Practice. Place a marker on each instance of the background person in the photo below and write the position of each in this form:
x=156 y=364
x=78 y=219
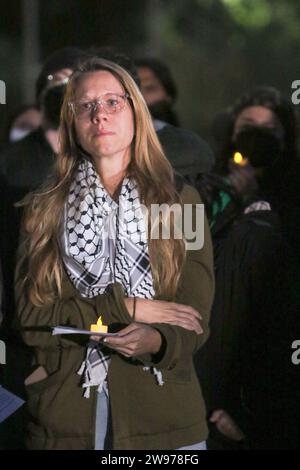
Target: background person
x=158 y=88
x=24 y=120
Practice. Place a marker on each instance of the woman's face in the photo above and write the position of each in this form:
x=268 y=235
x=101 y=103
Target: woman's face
x=256 y=138
x=151 y=88
x=101 y=133
x=257 y=116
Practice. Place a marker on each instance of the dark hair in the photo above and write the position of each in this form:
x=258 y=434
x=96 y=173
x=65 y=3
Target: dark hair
x=162 y=72
x=64 y=58
x=272 y=99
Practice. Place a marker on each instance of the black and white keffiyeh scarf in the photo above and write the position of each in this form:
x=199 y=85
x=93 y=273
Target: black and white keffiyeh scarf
x=103 y=242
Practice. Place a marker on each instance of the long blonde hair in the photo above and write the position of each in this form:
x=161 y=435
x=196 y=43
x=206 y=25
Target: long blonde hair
x=41 y=261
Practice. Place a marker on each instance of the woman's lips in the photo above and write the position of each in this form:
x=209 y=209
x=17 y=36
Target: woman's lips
x=103 y=133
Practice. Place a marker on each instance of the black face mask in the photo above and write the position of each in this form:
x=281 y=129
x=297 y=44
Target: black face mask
x=260 y=145
x=52 y=103
x=162 y=110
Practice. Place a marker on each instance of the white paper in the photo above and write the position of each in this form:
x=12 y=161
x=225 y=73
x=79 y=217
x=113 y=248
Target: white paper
x=66 y=330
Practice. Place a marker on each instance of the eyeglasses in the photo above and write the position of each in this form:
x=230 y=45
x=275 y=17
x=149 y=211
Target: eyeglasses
x=111 y=103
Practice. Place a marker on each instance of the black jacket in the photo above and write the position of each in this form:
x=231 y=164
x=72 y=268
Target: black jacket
x=24 y=165
x=245 y=367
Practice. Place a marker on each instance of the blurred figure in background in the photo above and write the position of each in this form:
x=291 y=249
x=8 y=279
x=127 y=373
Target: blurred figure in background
x=158 y=88
x=245 y=369
x=189 y=154
x=24 y=165
x=23 y=121
x=259 y=152
x=249 y=381
x=259 y=156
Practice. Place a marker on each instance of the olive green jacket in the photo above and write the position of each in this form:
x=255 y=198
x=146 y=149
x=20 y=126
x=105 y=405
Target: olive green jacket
x=144 y=414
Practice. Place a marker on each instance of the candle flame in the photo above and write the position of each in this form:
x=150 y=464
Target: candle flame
x=239 y=159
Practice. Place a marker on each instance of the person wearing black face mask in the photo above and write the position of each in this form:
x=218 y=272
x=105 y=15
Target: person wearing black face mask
x=158 y=89
x=244 y=368
x=256 y=310
x=261 y=146
x=259 y=151
x=257 y=160
x=189 y=154
x=24 y=165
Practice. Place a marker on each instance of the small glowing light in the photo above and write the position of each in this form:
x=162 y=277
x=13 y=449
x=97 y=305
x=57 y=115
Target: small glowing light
x=99 y=327
x=239 y=159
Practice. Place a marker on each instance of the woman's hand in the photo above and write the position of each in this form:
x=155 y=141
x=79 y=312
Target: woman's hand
x=243 y=178
x=226 y=425
x=134 y=340
x=160 y=311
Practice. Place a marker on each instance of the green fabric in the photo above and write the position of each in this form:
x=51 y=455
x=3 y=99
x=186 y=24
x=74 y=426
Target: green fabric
x=144 y=415
x=219 y=206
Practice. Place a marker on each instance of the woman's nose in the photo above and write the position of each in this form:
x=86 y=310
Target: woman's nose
x=99 y=113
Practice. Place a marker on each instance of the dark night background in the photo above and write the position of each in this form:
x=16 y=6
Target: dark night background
x=216 y=49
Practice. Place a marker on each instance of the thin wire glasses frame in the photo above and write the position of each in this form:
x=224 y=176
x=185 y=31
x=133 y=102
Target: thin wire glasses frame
x=111 y=103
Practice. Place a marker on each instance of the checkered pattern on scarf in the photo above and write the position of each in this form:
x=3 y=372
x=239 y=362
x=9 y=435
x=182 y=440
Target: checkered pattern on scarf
x=258 y=206
x=104 y=242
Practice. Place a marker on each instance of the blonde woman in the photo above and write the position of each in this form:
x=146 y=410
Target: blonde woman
x=86 y=252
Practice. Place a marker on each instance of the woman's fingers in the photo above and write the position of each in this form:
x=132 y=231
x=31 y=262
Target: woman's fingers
x=228 y=429
x=185 y=320
x=134 y=326
x=216 y=415
x=160 y=311
x=97 y=338
x=136 y=339
x=187 y=317
x=187 y=325
x=124 y=337
x=226 y=425
x=122 y=344
x=185 y=309
x=124 y=351
x=187 y=314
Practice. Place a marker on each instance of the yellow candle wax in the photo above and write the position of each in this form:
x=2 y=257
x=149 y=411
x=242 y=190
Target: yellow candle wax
x=99 y=327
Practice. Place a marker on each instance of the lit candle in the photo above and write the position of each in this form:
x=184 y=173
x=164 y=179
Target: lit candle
x=239 y=159
x=99 y=328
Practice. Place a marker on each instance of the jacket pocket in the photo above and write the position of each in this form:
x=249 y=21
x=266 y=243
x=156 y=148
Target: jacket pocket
x=41 y=385
x=35 y=391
